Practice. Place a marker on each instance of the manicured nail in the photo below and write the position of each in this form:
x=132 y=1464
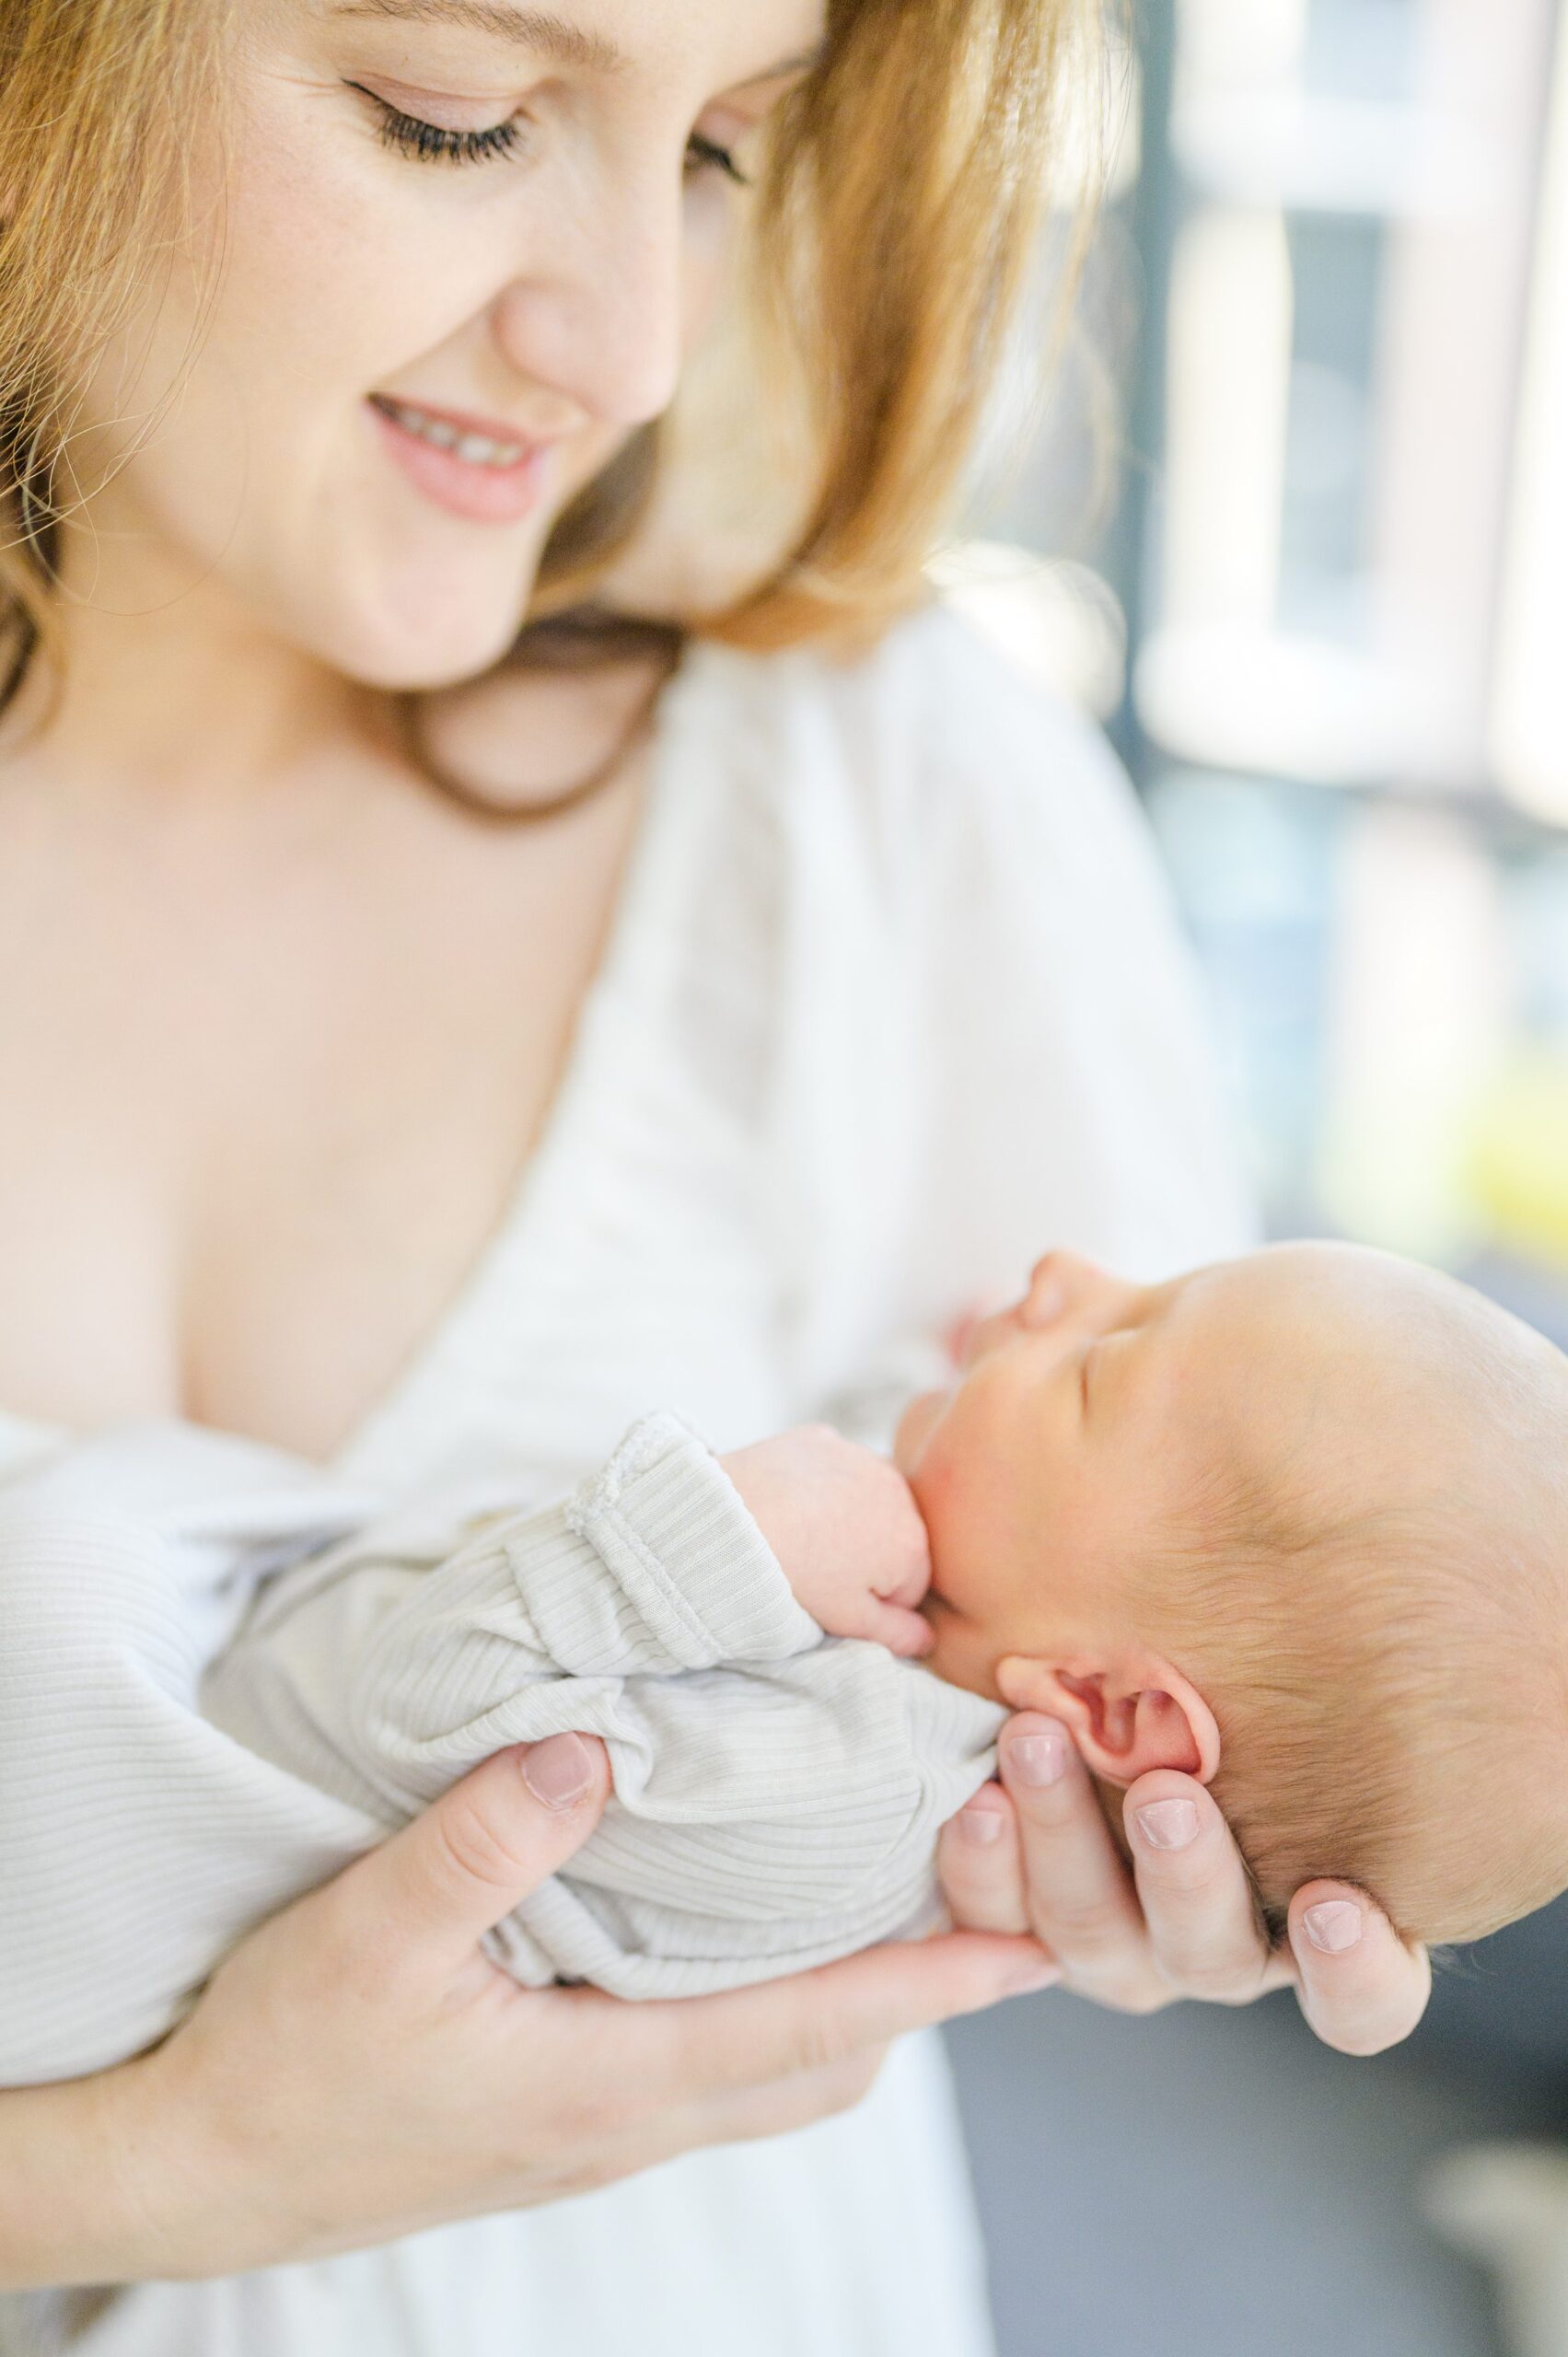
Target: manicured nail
x=1038 y=1759
x=1334 y=1925
x=1167 y=1825
x=981 y=1826
x=558 y=1770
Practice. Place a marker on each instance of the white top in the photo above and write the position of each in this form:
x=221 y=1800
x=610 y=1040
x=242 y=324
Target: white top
x=893 y=999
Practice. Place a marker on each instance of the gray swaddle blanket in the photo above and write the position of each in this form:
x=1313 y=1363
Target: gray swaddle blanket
x=258 y=1674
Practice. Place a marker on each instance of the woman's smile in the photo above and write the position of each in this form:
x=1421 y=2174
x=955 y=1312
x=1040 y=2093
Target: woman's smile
x=471 y=467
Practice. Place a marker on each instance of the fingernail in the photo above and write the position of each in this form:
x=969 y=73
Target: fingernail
x=1038 y=1759
x=1167 y=1825
x=981 y=1826
x=1030 y=1975
x=1334 y=1925
x=558 y=1770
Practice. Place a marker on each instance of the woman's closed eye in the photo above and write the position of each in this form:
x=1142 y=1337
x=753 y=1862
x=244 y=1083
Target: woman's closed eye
x=425 y=142
x=706 y=155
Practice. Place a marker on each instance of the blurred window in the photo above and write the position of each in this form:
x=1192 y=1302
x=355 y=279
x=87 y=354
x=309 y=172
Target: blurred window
x=1326 y=610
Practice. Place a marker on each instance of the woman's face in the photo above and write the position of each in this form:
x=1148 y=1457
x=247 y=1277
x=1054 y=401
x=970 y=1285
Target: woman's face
x=464 y=245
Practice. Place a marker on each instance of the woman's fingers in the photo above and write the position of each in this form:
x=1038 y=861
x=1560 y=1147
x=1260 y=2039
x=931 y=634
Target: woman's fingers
x=734 y=2118
x=814 y=2021
x=1360 y=1988
x=1197 y=1902
x=1080 y=1899
x=430 y=1893
x=980 y=1865
x=794 y=2102
x=1184 y=1923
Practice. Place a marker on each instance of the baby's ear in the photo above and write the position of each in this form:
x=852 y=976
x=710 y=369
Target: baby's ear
x=1128 y=1712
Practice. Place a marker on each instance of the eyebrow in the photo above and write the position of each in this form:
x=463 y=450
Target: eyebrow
x=535 y=28
x=525 y=28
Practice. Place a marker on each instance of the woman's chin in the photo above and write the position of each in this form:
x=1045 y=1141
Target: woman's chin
x=428 y=627
x=398 y=661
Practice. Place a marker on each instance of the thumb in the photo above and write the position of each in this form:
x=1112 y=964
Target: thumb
x=438 y=1885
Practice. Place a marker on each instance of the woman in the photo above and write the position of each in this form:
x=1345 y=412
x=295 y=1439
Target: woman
x=333 y=332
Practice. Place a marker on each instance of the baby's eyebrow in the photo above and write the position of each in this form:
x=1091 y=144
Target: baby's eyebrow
x=1100 y=1348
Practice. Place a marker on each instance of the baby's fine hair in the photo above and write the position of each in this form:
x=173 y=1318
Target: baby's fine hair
x=1389 y=1662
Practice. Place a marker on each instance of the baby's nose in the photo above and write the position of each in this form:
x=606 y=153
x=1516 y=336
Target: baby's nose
x=1062 y=1281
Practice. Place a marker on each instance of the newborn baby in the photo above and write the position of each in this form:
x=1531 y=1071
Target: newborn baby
x=1297 y=1525
x=1293 y=1523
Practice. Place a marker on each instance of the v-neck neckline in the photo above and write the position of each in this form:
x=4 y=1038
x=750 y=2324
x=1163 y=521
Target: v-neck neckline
x=629 y=958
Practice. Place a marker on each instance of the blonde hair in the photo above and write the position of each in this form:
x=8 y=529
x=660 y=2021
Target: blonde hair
x=895 y=223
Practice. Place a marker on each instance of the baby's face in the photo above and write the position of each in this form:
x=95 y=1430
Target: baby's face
x=1085 y=1419
x=1052 y=1456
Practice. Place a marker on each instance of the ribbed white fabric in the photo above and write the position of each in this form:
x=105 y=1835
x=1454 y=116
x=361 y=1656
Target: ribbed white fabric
x=777 y=1795
x=893 y=999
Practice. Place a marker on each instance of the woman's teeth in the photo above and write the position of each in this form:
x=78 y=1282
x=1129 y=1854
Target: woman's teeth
x=475 y=449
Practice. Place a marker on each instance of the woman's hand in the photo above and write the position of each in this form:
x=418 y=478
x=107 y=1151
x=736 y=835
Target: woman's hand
x=357 y=2068
x=1034 y=1853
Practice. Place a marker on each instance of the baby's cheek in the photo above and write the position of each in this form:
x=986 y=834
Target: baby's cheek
x=961 y=1653
x=918 y=1422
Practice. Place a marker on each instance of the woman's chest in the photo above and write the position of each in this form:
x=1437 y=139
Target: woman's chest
x=258 y=1129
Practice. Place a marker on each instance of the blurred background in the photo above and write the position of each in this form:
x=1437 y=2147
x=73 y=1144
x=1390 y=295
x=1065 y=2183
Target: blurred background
x=1319 y=596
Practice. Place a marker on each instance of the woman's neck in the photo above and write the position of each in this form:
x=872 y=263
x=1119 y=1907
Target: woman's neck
x=184 y=693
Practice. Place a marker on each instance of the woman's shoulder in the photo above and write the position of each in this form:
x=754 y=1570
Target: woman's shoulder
x=937 y=712
x=935 y=747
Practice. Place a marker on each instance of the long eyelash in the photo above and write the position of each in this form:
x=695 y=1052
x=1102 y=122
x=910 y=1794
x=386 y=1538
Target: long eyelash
x=708 y=152
x=410 y=135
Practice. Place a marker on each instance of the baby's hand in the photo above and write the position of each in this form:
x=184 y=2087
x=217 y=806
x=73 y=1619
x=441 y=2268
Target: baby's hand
x=844 y=1526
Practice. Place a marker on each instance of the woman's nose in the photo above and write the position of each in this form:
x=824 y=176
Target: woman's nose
x=601 y=318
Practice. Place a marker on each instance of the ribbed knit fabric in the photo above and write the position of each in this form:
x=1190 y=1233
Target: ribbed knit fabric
x=893 y=999
x=777 y=1793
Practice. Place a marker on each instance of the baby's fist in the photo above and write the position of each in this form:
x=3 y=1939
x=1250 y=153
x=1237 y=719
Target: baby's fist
x=845 y=1528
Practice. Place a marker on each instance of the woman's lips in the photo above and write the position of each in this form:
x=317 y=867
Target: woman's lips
x=471 y=467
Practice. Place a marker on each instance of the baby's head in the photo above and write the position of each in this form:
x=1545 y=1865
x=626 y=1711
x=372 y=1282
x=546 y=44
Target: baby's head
x=1296 y=1524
